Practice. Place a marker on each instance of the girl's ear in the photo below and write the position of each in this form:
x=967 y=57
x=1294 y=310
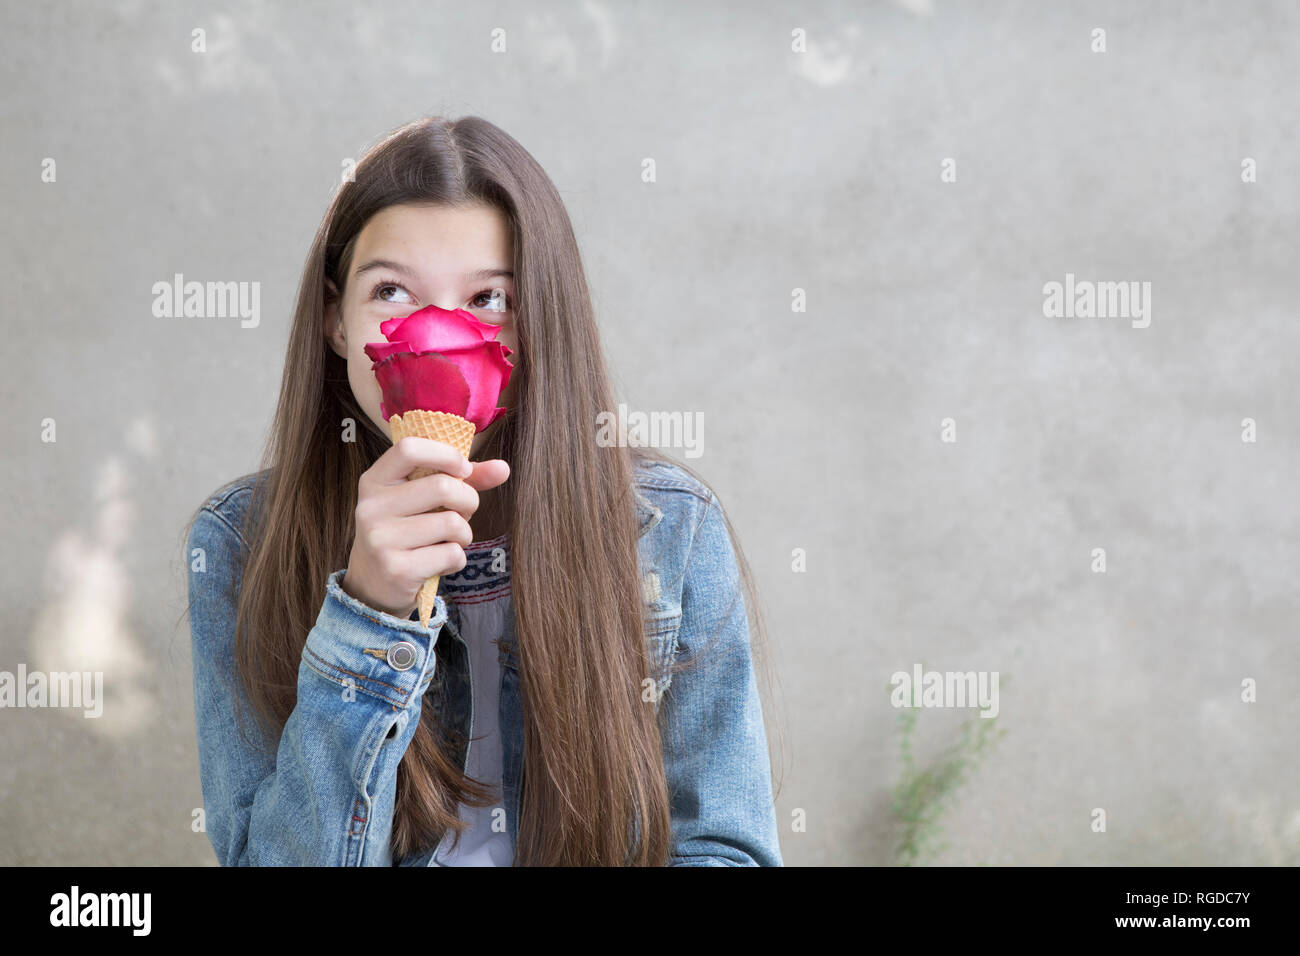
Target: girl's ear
x=333 y=328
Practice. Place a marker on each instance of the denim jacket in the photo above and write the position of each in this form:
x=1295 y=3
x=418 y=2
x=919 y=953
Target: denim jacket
x=326 y=798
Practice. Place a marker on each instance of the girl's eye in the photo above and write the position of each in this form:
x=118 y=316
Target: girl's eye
x=496 y=301
x=378 y=292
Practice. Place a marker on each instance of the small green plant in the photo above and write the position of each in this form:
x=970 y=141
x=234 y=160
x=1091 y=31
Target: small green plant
x=924 y=793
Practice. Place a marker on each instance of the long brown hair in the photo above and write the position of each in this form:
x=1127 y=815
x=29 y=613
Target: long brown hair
x=594 y=790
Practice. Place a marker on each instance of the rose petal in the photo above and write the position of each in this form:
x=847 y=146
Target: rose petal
x=378 y=351
x=429 y=381
x=486 y=370
x=432 y=329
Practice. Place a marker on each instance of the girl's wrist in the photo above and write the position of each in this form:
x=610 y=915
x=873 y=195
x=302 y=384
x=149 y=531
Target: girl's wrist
x=349 y=584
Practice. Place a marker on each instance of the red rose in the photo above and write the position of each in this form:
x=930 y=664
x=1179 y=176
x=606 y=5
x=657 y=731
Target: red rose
x=441 y=361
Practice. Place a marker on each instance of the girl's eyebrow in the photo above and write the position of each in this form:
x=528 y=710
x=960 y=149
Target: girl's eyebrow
x=410 y=273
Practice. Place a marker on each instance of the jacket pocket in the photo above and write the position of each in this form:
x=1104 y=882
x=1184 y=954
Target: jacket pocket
x=661 y=643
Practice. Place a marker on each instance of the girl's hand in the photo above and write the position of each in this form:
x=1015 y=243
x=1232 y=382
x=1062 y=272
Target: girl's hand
x=398 y=542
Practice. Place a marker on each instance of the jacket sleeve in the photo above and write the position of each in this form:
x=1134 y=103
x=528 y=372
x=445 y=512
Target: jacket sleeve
x=715 y=746
x=322 y=795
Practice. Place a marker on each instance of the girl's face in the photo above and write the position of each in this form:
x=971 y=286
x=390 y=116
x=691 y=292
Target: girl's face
x=407 y=257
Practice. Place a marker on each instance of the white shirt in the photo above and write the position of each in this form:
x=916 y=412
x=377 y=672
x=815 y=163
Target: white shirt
x=481 y=591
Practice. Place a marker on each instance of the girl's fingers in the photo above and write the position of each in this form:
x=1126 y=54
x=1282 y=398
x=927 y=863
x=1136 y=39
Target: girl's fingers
x=421 y=531
x=429 y=493
x=488 y=474
x=411 y=453
x=440 y=559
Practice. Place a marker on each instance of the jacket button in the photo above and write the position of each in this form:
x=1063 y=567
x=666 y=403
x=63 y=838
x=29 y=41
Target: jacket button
x=401 y=656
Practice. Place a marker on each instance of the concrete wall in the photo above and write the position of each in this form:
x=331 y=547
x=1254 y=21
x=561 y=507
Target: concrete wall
x=776 y=170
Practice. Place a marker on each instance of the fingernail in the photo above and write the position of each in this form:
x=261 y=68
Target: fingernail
x=468 y=469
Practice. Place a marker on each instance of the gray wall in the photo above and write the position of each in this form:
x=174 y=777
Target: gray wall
x=776 y=170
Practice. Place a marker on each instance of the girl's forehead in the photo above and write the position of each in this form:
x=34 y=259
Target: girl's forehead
x=451 y=230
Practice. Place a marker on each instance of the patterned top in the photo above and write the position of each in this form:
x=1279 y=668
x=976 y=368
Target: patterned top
x=486 y=575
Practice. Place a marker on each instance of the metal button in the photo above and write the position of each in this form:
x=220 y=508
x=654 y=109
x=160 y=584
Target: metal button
x=402 y=655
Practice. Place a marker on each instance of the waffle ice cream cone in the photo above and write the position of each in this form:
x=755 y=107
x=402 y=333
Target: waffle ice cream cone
x=438 y=426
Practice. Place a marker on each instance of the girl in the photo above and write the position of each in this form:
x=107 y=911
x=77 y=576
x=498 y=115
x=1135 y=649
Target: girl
x=584 y=693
